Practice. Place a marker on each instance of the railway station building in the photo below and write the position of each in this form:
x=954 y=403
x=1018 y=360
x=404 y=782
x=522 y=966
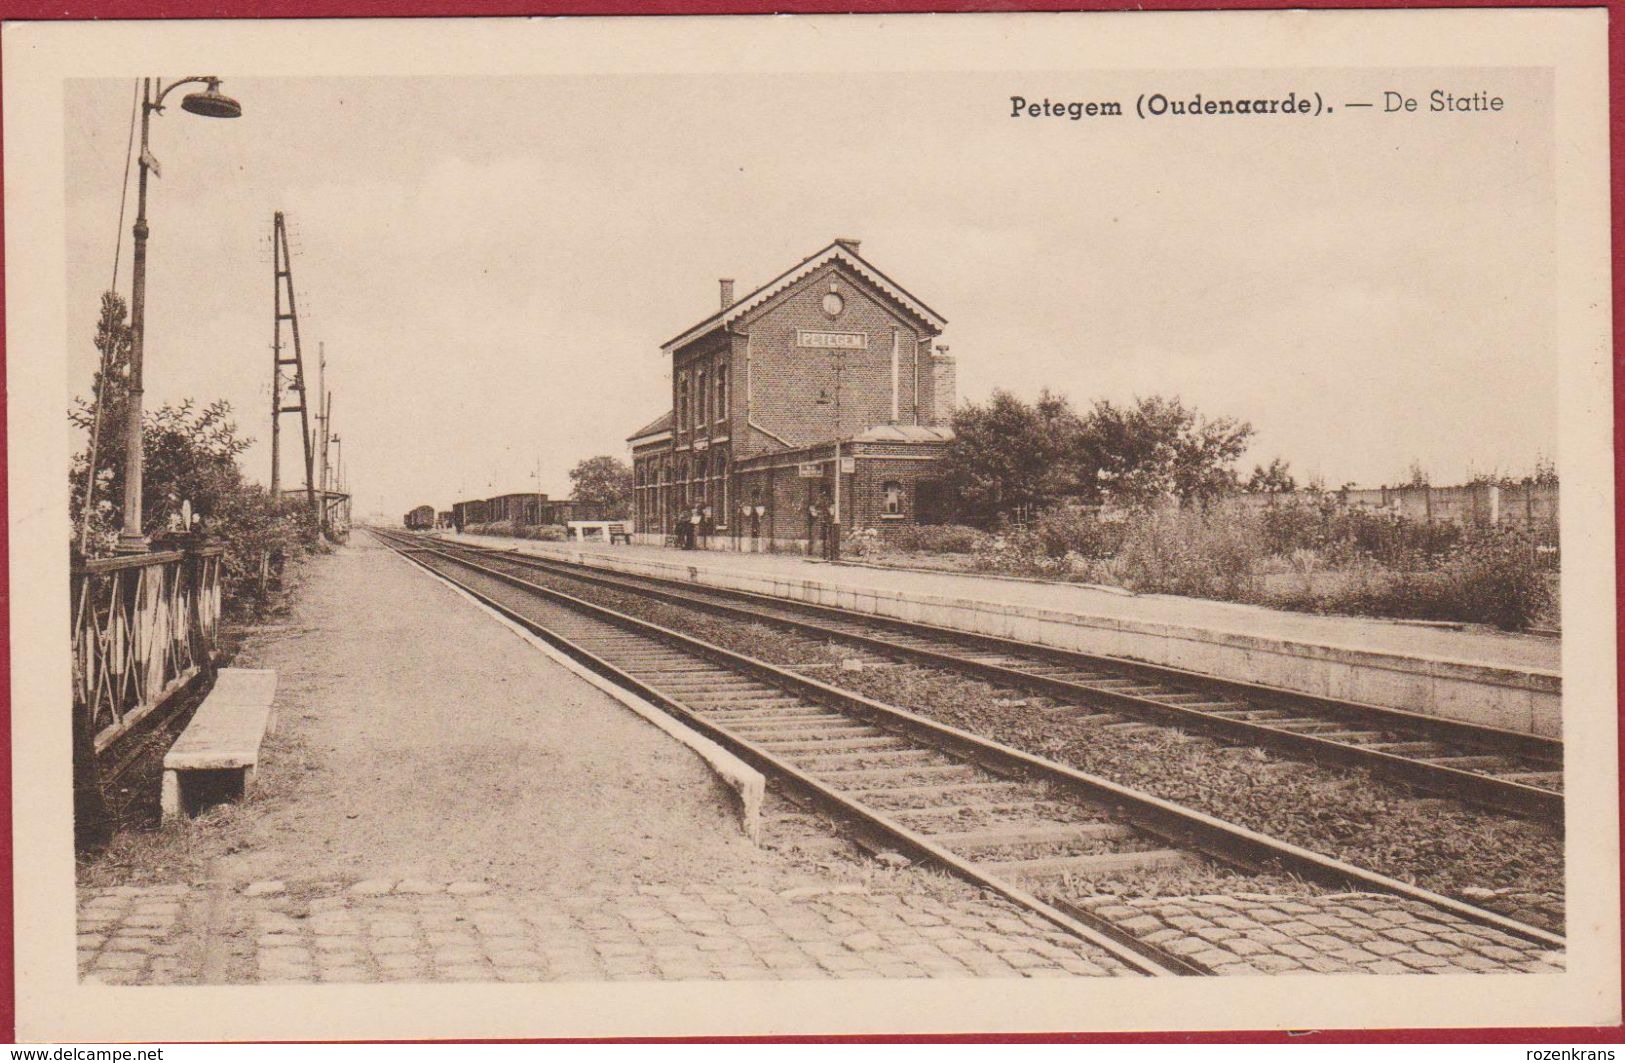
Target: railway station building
x=831 y=355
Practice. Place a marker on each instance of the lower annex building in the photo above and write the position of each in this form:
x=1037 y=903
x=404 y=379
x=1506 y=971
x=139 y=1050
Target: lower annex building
x=830 y=355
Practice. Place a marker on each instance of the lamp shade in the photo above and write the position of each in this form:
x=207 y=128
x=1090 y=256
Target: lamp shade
x=210 y=103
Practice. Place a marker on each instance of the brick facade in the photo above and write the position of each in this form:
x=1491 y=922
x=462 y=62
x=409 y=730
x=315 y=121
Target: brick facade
x=829 y=350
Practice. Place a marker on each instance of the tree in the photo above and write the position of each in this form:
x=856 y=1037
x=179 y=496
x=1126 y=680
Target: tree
x=1418 y=475
x=1277 y=479
x=1009 y=454
x=190 y=456
x=605 y=481
x=1158 y=449
x=110 y=394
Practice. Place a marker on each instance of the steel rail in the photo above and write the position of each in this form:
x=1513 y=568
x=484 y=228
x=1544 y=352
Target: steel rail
x=1140 y=957
x=1486 y=790
x=1222 y=841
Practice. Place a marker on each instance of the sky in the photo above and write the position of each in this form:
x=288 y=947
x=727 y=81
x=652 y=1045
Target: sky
x=493 y=263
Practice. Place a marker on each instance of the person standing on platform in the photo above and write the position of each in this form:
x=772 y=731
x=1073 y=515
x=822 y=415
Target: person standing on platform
x=694 y=520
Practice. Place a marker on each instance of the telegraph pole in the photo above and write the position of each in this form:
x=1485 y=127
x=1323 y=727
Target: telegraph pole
x=318 y=438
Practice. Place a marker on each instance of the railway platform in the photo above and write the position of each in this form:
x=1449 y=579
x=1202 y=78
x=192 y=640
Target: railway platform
x=1478 y=676
x=442 y=802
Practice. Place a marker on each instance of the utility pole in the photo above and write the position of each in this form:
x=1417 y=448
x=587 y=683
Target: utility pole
x=329 y=483
x=319 y=438
x=282 y=269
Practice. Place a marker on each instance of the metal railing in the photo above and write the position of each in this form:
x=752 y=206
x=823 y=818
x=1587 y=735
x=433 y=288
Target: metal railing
x=143 y=626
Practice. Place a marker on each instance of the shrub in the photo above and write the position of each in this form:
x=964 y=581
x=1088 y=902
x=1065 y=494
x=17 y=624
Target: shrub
x=1015 y=552
x=1212 y=553
x=1396 y=541
x=494 y=527
x=1078 y=532
x=865 y=543
x=1290 y=525
x=547 y=533
x=1493 y=576
x=935 y=538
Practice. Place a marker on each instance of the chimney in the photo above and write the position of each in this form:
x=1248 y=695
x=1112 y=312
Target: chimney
x=944 y=386
x=727 y=284
x=849 y=243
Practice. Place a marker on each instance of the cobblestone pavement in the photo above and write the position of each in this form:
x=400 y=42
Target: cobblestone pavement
x=1348 y=933
x=409 y=931
x=406 y=931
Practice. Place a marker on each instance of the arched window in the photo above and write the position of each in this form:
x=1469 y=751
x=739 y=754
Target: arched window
x=722 y=391
x=701 y=400
x=682 y=401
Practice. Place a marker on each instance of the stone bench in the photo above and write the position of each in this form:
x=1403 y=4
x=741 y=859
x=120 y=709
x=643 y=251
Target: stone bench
x=222 y=743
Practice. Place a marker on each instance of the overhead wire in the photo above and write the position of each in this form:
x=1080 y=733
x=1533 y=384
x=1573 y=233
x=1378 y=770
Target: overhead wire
x=124 y=189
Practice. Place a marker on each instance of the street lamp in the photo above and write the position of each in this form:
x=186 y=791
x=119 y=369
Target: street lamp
x=210 y=104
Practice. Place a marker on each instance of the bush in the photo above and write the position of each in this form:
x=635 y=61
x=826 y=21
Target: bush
x=1492 y=576
x=494 y=527
x=1212 y=553
x=935 y=538
x=1290 y=525
x=1015 y=552
x=864 y=543
x=1079 y=532
x=189 y=458
x=1397 y=542
x=546 y=533
x=251 y=529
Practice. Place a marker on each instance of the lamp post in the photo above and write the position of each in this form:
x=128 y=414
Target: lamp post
x=211 y=104
x=835 y=525
x=832 y=547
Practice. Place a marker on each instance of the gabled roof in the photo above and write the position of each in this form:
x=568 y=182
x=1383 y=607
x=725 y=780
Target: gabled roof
x=663 y=423
x=835 y=251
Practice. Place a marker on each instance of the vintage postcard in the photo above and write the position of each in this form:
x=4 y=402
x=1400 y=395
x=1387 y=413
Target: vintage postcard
x=811 y=525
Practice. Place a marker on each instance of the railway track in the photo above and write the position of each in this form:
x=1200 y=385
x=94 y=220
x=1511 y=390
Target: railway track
x=1020 y=826
x=1488 y=767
